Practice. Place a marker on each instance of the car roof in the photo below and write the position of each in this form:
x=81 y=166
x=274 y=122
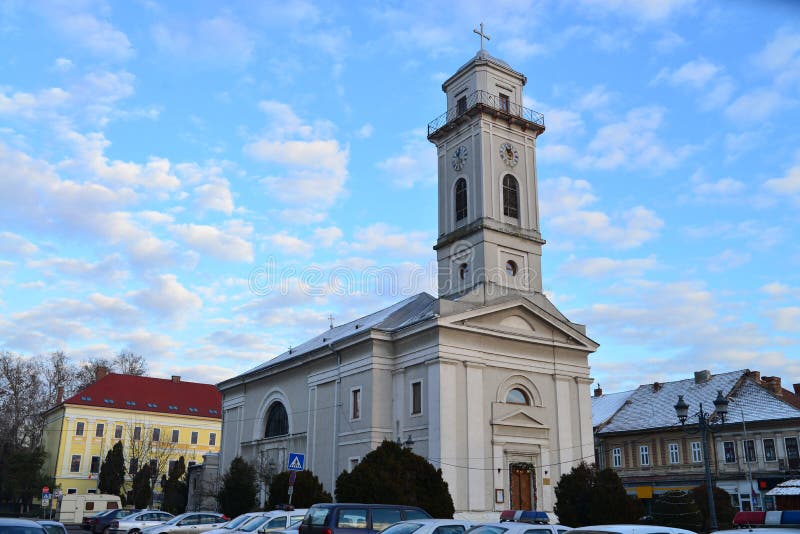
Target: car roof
x=362 y=505
x=49 y=522
x=436 y=521
x=17 y=522
x=631 y=528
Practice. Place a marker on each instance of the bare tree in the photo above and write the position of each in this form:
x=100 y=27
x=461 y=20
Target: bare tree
x=128 y=363
x=21 y=401
x=60 y=373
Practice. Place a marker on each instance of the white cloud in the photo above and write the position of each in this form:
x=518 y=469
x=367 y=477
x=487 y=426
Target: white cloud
x=214 y=196
x=290 y=245
x=217 y=243
x=696 y=73
x=781 y=56
x=669 y=42
x=601 y=267
x=107 y=270
x=786 y=319
x=328 y=236
x=728 y=259
x=167 y=297
x=13 y=244
x=365 y=132
x=415 y=164
x=32 y=106
x=385 y=238
x=757 y=105
x=786 y=185
x=778 y=290
x=645 y=10
x=562 y=203
x=97 y=36
x=521 y=49
x=596 y=99
x=62 y=64
x=220 y=40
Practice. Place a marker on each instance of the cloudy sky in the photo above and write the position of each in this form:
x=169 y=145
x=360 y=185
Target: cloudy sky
x=204 y=183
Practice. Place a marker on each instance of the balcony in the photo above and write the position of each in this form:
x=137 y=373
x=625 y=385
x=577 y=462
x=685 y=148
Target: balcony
x=483 y=101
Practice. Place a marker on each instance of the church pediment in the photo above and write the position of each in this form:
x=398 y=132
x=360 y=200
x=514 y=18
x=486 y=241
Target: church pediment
x=522 y=320
x=514 y=415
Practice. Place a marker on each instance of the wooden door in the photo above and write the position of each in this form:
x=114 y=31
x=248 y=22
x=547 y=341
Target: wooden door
x=521 y=494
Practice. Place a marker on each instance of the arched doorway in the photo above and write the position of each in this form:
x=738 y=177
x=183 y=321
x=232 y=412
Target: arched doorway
x=523 y=489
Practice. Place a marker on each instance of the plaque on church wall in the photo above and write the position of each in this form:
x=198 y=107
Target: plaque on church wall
x=499 y=495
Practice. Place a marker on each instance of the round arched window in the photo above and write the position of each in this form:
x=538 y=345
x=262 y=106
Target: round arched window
x=277 y=421
x=463 y=269
x=517 y=396
x=511 y=268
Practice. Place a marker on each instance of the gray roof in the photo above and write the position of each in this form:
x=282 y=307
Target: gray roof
x=483 y=55
x=652 y=406
x=395 y=317
x=605 y=406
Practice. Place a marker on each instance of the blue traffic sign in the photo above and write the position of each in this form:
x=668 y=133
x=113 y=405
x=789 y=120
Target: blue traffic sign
x=296 y=462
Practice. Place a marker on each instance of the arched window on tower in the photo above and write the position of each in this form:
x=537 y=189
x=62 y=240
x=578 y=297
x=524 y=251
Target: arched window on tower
x=510 y=196
x=277 y=421
x=461 y=199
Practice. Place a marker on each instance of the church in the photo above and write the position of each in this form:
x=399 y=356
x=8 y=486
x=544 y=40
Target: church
x=489 y=381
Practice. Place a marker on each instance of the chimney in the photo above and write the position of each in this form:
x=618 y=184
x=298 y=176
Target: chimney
x=100 y=372
x=657 y=386
x=773 y=384
x=598 y=391
x=60 y=394
x=176 y=379
x=755 y=375
x=796 y=389
x=701 y=377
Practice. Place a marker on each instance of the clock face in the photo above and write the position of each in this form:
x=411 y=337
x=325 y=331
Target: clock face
x=460 y=158
x=509 y=154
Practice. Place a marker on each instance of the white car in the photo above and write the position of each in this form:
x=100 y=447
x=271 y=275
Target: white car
x=189 y=523
x=234 y=523
x=272 y=521
x=429 y=526
x=138 y=521
x=513 y=527
x=629 y=529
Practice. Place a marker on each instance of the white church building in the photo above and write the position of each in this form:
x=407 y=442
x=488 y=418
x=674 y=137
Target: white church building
x=489 y=381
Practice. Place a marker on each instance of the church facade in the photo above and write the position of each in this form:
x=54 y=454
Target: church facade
x=489 y=381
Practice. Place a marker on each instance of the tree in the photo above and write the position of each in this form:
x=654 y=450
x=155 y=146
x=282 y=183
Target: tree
x=307 y=490
x=239 y=489
x=393 y=474
x=586 y=496
x=722 y=505
x=112 y=472
x=176 y=491
x=677 y=509
x=151 y=445
x=142 y=487
x=24 y=475
x=128 y=363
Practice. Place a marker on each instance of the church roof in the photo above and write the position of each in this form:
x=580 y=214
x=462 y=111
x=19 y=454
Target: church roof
x=483 y=55
x=402 y=314
x=651 y=406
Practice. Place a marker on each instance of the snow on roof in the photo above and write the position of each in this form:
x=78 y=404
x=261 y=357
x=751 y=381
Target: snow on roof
x=652 y=406
x=605 y=406
x=395 y=317
x=787 y=487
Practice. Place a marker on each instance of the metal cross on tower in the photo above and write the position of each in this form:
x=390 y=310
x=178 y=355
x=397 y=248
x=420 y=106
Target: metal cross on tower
x=483 y=35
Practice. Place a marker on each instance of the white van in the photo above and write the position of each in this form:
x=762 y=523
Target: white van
x=73 y=506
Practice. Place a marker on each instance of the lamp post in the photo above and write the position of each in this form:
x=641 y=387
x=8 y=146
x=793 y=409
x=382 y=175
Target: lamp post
x=706 y=422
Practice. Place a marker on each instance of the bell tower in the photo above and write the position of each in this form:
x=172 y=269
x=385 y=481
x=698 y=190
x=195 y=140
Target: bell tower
x=489 y=243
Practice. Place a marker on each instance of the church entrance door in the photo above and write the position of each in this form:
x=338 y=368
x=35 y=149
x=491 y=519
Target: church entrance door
x=522 y=493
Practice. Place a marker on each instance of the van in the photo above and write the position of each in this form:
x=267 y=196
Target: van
x=349 y=518
x=73 y=506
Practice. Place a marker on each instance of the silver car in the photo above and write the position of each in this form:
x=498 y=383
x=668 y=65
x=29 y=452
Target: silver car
x=138 y=521
x=189 y=523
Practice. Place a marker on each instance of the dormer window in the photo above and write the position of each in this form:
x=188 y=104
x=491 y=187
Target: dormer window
x=503 y=103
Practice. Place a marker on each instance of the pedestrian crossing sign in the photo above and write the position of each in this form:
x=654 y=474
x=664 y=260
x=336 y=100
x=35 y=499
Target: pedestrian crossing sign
x=296 y=461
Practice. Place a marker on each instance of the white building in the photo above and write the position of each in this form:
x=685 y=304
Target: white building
x=490 y=381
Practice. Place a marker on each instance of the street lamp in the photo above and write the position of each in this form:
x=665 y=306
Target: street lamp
x=706 y=422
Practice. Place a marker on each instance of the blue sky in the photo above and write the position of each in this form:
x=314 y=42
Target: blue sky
x=204 y=183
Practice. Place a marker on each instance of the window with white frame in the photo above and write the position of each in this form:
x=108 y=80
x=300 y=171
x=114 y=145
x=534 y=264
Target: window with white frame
x=769 y=450
x=729 y=449
x=416 y=397
x=749 y=450
x=355 y=404
x=697 y=452
x=616 y=457
x=674 y=454
x=644 y=455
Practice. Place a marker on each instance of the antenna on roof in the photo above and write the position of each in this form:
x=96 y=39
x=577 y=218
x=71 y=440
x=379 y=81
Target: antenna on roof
x=330 y=320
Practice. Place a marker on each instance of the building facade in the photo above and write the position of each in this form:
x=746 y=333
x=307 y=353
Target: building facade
x=489 y=381
x=157 y=420
x=639 y=436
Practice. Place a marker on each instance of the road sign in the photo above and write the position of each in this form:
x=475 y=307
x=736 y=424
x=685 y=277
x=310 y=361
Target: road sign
x=296 y=461
x=45 y=490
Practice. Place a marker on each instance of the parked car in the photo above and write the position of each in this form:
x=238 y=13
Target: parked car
x=628 y=529
x=138 y=521
x=102 y=522
x=514 y=527
x=272 y=520
x=188 y=523
x=89 y=520
x=20 y=526
x=350 y=518
x=52 y=527
x=429 y=526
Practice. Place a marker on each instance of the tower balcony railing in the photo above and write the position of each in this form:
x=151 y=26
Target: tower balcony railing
x=490 y=102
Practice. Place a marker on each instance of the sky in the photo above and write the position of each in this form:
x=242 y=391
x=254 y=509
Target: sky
x=208 y=183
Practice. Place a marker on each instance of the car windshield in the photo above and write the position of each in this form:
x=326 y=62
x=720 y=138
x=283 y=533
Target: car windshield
x=254 y=523
x=234 y=523
x=52 y=529
x=402 y=528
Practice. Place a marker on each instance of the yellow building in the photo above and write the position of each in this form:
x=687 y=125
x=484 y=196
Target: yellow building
x=157 y=420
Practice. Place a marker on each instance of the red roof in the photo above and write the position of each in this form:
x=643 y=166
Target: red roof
x=146 y=394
